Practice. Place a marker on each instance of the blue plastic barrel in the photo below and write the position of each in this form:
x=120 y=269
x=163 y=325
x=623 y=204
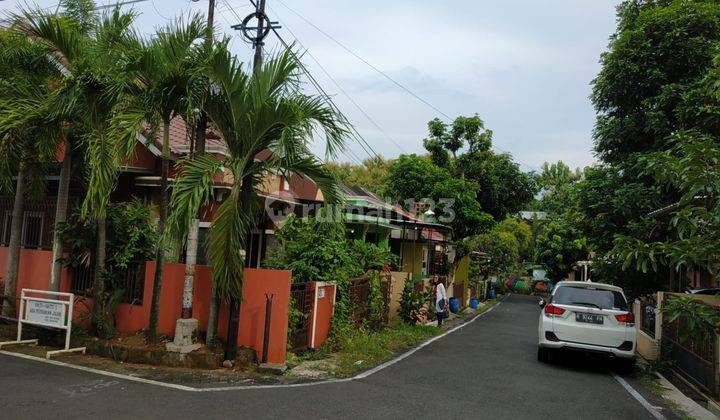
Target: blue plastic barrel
x=492 y=294
x=454 y=305
x=474 y=303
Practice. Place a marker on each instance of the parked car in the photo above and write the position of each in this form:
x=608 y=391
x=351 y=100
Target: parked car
x=589 y=317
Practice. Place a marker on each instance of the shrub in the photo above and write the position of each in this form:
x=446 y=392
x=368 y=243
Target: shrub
x=319 y=250
x=701 y=320
x=412 y=304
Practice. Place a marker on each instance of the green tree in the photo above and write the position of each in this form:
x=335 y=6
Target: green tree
x=499 y=253
x=558 y=187
x=171 y=68
x=100 y=61
x=652 y=78
x=254 y=113
x=372 y=174
x=522 y=233
x=28 y=137
x=412 y=177
x=559 y=246
x=504 y=188
x=692 y=233
x=457 y=206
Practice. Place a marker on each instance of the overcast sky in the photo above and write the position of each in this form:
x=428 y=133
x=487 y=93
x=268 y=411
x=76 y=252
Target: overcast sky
x=524 y=66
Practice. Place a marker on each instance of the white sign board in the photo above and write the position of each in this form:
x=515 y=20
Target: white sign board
x=45 y=313
x=55 y=311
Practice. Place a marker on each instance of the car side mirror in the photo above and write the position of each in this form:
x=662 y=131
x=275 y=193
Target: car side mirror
x=542 y=303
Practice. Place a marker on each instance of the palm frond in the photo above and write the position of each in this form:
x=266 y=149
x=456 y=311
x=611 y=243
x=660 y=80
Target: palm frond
x=193 y=187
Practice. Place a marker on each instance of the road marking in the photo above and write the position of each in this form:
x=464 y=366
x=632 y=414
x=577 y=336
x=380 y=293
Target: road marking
x=632 y=391
x=361 y=375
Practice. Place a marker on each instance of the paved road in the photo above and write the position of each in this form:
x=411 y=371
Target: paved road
x=487 y=369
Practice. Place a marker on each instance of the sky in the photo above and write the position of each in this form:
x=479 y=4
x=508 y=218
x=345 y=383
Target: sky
x=524 y=66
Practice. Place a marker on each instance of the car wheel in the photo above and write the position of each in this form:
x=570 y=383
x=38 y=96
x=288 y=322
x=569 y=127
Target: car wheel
x=543 y=355
x=626 y=366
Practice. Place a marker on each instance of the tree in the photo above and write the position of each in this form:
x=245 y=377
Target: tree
x=372 y=174
x=504 y=188
x=412 y=177
x=499 y=252
x=457 y=206
x=28 y=136
x=255 y=113
x=651 y=81
x=559 y=246
x=692 y=234
x=171 y=68
x=522 y=233
x=101 y=60
x=557 y=183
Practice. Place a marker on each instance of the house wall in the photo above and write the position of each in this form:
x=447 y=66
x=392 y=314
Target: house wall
x=397 y=283
x=34 y=272
x=412 y=257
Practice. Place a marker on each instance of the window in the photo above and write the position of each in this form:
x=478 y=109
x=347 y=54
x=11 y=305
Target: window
x=6 y=226
x=32 y=229
x=588 y=296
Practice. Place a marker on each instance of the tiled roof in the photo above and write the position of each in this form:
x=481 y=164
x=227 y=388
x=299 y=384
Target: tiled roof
x=180 y=140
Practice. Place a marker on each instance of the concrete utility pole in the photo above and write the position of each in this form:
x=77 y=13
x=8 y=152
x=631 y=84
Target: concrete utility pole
x=186 y=327
x=255 y=35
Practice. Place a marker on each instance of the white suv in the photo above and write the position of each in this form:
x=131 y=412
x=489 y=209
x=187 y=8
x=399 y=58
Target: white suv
x=590 y=317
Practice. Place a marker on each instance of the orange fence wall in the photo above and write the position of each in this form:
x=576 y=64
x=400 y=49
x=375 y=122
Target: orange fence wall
x=34 y=272
x=322 y=313
x=256 y=284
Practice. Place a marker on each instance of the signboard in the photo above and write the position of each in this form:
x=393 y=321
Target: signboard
x=55 y=310
x=45 y=313
x=321 y=293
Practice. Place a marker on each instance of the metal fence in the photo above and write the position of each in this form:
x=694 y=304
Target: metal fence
x=131 y=281
x=302 y=300
x=696 y=360
x=360 y=297
x=648 y=315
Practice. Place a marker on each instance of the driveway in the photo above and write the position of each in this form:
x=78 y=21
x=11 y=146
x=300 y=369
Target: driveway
x=488 y=369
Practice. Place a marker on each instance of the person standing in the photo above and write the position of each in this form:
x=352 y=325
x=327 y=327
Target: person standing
x=441 y=301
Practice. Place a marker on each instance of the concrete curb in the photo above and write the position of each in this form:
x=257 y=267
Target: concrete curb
x=361 y=375
x=690 y=407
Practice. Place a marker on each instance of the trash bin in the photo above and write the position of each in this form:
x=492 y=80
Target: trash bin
x=492 y=294
x=454 y=305
x=474 y=303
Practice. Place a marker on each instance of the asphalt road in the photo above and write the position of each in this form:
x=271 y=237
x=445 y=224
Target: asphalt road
x=487 y=369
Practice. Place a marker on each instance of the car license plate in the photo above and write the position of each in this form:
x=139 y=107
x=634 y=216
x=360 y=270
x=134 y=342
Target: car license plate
x=588 y=318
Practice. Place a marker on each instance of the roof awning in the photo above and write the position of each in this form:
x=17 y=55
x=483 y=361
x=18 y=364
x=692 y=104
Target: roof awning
x=364 y=219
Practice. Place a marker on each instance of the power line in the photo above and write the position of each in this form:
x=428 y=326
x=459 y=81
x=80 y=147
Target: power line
x=369 y=118
x=366 y=62
x=357 y=136
x=398 y=84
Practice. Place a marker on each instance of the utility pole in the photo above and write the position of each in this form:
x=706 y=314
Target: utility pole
x=256 y=36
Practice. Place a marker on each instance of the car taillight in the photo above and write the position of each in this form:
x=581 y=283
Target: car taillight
x=627 y=318
x=551 y=309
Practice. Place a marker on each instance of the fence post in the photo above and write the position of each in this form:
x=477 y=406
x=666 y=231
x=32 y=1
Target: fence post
x=266 y=336
x=659 y=317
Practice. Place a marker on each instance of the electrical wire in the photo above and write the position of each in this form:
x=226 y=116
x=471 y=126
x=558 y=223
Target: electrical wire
x=343 y=91
x=355 y=134
x=343 y=46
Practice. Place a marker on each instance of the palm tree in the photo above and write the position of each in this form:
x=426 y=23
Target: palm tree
x=100 y=60
x=27 y=136
x=173 y=70
x=265 y=111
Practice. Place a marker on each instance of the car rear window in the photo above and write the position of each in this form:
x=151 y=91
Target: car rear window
x=585 y=296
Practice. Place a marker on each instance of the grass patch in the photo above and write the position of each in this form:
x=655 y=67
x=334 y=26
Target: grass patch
x=365 y=349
